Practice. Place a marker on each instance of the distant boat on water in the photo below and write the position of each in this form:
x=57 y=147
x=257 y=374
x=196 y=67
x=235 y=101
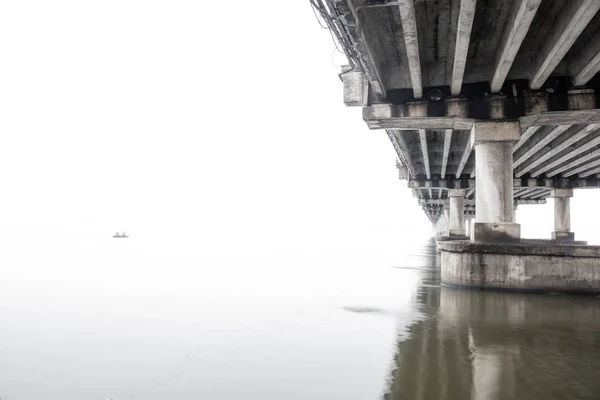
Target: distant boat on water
x=120 y=235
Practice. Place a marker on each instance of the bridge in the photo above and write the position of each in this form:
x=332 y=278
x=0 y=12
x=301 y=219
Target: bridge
x=488 y=104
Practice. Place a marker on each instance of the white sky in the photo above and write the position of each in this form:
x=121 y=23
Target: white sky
x=222 y=122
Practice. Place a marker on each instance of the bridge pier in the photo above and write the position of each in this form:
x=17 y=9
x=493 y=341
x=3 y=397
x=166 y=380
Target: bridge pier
x=494 y=215
x=468 y=226
x=457 y=213
x=509 y=118
x=446 y=219
x=496 y=257
x=562 y=215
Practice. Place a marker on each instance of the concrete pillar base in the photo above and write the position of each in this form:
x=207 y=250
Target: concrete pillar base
x=447 y=237
x=563 y=236
x=496 y=232
x=458 y=236
x=532 y=266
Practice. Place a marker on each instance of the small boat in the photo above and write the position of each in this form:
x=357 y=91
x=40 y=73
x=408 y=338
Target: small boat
x=120 y=235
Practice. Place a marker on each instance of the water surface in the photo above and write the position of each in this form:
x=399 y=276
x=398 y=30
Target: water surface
x=130 y=320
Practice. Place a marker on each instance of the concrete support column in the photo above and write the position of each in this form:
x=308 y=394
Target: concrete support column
x=457 y=212
x=562 y=214
x=446 y=219
x=494 y=219
x=468 y=226
x=439 y=227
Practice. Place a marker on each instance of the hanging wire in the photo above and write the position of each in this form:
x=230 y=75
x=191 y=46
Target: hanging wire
x=337 y=35
x=319 y=20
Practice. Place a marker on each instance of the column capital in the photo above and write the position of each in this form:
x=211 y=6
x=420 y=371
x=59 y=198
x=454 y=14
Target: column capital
x=457 y=192
x=561 y=193
x=495 y=131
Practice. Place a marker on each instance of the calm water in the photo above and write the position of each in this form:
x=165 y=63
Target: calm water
x=134 y=320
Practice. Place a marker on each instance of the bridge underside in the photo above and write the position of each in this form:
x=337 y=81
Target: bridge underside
x=426 y=71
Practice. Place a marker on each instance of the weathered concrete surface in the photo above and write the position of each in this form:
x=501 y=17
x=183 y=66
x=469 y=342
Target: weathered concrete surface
x=556 y=241
x=356 y=89
x=494 y=182
x=524 y=266
x=562 y=215
x=429 y=71
x=445 y=238
x=494 y=221
x=498 y=232
x=496 y=131
x=457 y=214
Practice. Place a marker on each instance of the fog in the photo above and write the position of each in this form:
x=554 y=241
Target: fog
x=214 y=134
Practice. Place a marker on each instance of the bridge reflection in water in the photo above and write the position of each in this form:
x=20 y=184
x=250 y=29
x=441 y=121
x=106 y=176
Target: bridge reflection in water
x=491 y=345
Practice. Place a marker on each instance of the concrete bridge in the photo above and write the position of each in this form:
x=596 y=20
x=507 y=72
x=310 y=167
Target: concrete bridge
x=488 y=103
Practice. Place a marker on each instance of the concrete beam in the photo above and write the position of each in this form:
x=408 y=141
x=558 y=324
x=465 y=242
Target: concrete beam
x=517 y=192
x=534 y=193
x=447 y=141
x=411 y=41
x=571 y=21
x=582 y=160
x=573 y=153
x=346 y=17
x=537 y=201
x=554 y=118
x=553 y=134
x=586 y=64
x=435 y=202
x=443 y=202
x=541 y=184
x=590 y=172
x=514 y=33
x=461 y=50
x=539 y=193
x=425 y=151
x=464 y=158
x=412 y=123
x=525 y=136
x=582 y=182
x=533 y=183
x=401 y=147
x=442 y=184
x=471 y=203
x=526 y=193
x=562 y=146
